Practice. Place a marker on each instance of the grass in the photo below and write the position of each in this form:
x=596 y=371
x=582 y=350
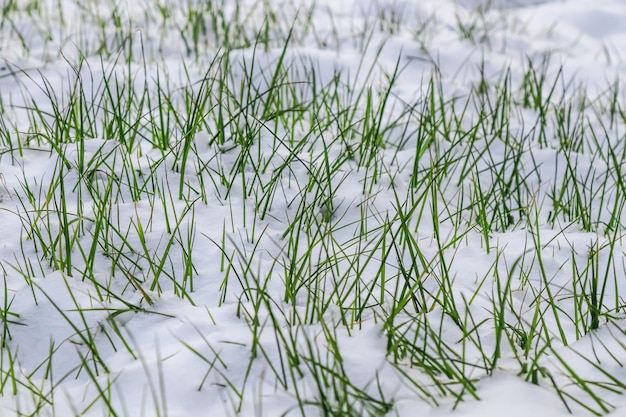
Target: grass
x=473 y=227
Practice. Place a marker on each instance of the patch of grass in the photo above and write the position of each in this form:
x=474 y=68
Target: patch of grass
x=314 y=196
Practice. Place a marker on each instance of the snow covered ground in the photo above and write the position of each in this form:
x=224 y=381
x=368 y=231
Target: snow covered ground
x=301 y=208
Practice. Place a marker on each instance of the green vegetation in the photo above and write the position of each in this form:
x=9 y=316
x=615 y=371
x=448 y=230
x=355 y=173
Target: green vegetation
x=202 y=150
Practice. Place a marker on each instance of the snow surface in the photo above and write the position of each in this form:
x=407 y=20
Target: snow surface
x=587 y=39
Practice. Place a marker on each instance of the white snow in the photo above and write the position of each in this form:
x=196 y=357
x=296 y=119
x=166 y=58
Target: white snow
x=196 y=306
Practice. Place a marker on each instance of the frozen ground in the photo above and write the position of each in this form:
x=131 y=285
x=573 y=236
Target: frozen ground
x=336 y=208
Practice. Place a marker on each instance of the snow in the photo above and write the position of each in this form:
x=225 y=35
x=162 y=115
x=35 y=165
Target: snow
x=160 y=324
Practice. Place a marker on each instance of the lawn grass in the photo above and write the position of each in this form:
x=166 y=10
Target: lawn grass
x=293 y=194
